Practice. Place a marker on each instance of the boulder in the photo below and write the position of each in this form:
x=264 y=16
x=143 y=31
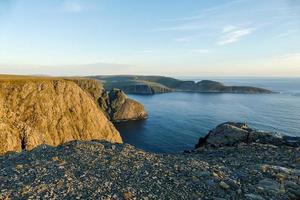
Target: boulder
x=231 y=133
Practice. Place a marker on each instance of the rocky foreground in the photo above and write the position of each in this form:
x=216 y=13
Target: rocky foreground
x=253 y=169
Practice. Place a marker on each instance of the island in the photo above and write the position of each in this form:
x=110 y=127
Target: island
x=131 y=84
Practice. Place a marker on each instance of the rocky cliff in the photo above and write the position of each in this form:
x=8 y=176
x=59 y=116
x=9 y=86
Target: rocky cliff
x=120 y=108
x=225 y=168
x=90 y=86
x=36 y=111
x=115 y=104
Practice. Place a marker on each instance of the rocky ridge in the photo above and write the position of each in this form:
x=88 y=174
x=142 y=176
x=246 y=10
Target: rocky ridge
x=239 y=169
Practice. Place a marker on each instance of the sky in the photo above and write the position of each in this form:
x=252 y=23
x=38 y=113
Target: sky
x=150 y=37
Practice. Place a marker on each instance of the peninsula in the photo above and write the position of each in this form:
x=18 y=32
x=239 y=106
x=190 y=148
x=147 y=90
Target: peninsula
x=159 y=84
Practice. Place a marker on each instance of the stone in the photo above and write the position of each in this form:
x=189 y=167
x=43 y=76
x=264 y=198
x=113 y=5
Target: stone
x=292 y=189
x=19 y=167
x=224 y=185
x=127 y=195
x=269 y=185
x=253 y=197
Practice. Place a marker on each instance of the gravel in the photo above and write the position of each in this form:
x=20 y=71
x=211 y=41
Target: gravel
x=100 y=170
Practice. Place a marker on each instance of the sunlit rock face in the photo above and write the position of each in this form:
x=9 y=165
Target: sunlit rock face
x=36 y=111
x=121 y=108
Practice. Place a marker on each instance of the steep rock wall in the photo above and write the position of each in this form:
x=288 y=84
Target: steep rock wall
x=45 y=111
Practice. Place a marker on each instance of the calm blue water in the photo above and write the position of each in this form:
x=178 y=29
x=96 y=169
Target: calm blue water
x=177 y=120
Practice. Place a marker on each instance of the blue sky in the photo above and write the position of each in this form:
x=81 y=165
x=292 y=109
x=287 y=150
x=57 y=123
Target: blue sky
x=169 y=37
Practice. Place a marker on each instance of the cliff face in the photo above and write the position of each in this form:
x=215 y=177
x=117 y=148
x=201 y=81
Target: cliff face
x=120 y=108
x=115 y=104
x=45 y=111
x=90 y=86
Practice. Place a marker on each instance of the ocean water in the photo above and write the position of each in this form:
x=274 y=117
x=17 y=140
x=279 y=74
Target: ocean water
x=177 y=120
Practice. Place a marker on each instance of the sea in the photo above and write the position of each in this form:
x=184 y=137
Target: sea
x=177 y=120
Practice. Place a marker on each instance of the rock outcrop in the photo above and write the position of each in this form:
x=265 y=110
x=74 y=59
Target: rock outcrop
x=115 y=104
x=35 y=111
x=231 y=134
x=120 y=108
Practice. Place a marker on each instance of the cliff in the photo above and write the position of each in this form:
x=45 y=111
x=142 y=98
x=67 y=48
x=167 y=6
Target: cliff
x=98 y=170
x=41 y=110
x=90 y=86
x=161 y=84
x=115 y=104
x=120 y=108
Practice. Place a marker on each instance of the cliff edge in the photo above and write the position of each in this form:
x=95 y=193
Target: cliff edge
x=35 y=111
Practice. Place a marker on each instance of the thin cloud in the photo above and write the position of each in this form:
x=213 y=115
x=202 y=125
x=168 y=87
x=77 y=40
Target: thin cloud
x=182 y=27
x=212 y=10
x=201 y=51
x=234 y=34
x=289 y=33
x=190 y=38
x=183 y=40
x=228 y=28
x=72 y=6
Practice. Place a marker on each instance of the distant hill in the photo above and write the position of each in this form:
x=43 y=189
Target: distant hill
x=159 y=84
